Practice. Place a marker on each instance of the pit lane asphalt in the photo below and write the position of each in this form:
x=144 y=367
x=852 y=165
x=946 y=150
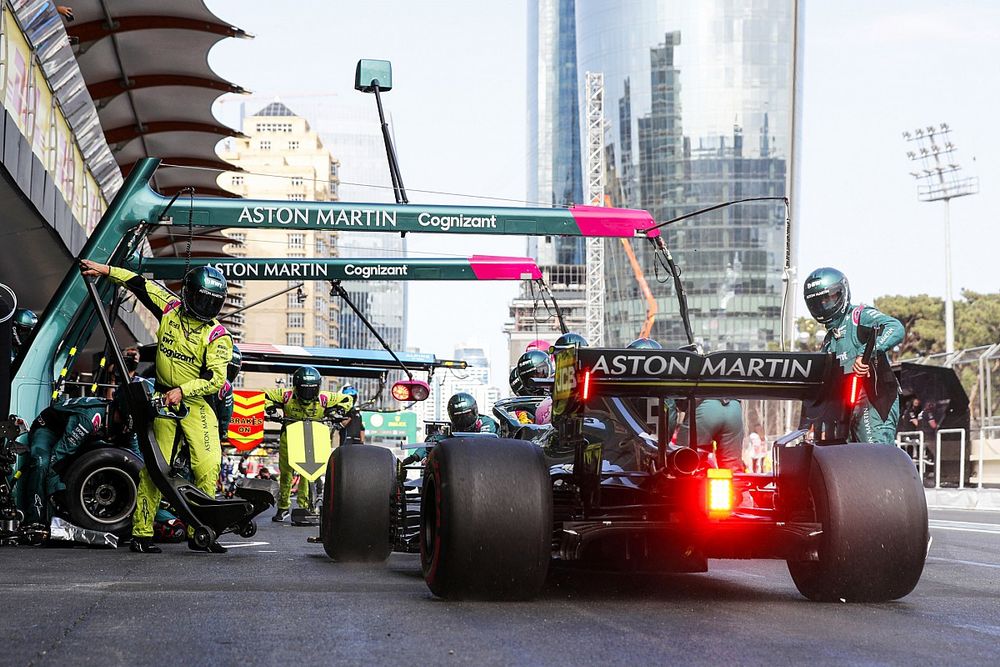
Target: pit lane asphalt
x=277 y=599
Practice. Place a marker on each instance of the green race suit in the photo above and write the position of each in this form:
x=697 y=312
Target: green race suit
x=719 y=421
x=295 y=409
x=59 y=432
x=191 y=355
x=844 y=339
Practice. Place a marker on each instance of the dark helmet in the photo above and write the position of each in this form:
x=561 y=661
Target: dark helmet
x=531 y=366
x=644 y=344
x=235 y=363
x=306 y=383
x=462 y=411
x=827 y=294
x=203 y=292
x=516 y=385
x=23 y=324
x=571 y=339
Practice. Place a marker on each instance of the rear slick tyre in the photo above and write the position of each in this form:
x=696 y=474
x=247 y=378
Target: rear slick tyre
x=486 y=520
x=871 y=504
x=357 y=504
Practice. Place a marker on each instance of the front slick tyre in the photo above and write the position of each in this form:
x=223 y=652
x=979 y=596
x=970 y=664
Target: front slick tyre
x=871 y=504
x=357 y=504
x=486 y=519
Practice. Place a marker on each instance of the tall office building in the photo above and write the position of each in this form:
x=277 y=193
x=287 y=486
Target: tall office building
x=699 y=110
x=350 y=128
x=283 y=158
x=554 y=170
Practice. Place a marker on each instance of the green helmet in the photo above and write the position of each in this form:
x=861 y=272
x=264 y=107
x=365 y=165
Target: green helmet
x=203 y=292
x=533 y=365
x=235 y=363
x=306 y=383
x=462 y=411
x=516 y=385
x=644 y=344
x=571 y=338
x=23 y=324
x=827 y=294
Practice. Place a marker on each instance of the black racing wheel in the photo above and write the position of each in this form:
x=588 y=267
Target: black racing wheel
x=486 y=519
x=101 y=489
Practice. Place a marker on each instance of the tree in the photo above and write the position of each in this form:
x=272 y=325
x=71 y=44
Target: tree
x=923 y=319
x=977 y=319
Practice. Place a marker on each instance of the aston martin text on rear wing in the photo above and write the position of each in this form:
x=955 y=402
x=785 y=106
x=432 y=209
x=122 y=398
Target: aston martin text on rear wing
x=586 y=372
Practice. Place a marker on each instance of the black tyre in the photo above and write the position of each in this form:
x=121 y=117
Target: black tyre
x=101 y=490
x=871 y=504
x=486 y=519
x=357 y=504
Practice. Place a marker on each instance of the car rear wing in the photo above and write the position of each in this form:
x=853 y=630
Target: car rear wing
x=584 y=372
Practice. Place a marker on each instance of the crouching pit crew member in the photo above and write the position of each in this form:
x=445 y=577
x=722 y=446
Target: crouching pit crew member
x=191 y=346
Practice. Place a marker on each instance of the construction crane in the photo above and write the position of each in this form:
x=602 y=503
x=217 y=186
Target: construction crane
x=595 y=197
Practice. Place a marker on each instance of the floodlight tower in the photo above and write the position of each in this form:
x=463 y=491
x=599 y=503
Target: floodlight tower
x=939 y=178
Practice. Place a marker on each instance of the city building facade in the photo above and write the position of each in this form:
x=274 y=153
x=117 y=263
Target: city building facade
x=354 y=134
x=283 y=158
x=699 y=110
x=474 y=380
x=554 y=170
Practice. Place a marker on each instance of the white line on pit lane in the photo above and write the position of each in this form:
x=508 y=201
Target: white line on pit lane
x=237 y=545
x=964 y=562
x=965 y=526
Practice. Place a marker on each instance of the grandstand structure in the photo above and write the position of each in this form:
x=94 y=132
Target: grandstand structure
x=82 y=100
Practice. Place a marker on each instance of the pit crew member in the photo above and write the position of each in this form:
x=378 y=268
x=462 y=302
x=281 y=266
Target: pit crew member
x=193 y=351
x=848 y=328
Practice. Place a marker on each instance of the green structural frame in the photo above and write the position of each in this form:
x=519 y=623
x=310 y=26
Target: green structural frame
x=367 y=269
x=69 y=319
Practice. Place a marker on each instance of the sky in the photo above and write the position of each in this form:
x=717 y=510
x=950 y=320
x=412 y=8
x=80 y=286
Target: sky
x=871 y=71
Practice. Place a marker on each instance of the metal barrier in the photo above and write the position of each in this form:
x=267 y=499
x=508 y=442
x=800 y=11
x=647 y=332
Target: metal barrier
x=982 y=447
x=920 y=439
x=961 y=460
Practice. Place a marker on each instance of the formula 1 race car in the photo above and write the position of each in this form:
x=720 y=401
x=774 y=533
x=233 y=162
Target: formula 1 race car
x=849 y=519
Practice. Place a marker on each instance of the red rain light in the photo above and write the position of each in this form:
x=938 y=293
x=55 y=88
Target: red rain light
x=720 y=492
x=586 y=385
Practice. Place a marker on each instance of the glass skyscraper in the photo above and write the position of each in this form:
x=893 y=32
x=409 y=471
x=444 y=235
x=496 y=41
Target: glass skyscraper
x=699 y=110
x=555 y=176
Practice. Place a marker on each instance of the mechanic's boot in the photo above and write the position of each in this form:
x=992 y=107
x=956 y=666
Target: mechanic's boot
x=280 y=515
x=144 y=545
x=213 y=548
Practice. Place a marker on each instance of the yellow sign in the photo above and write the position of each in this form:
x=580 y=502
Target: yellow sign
x=309 y=448
x=246 y=427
